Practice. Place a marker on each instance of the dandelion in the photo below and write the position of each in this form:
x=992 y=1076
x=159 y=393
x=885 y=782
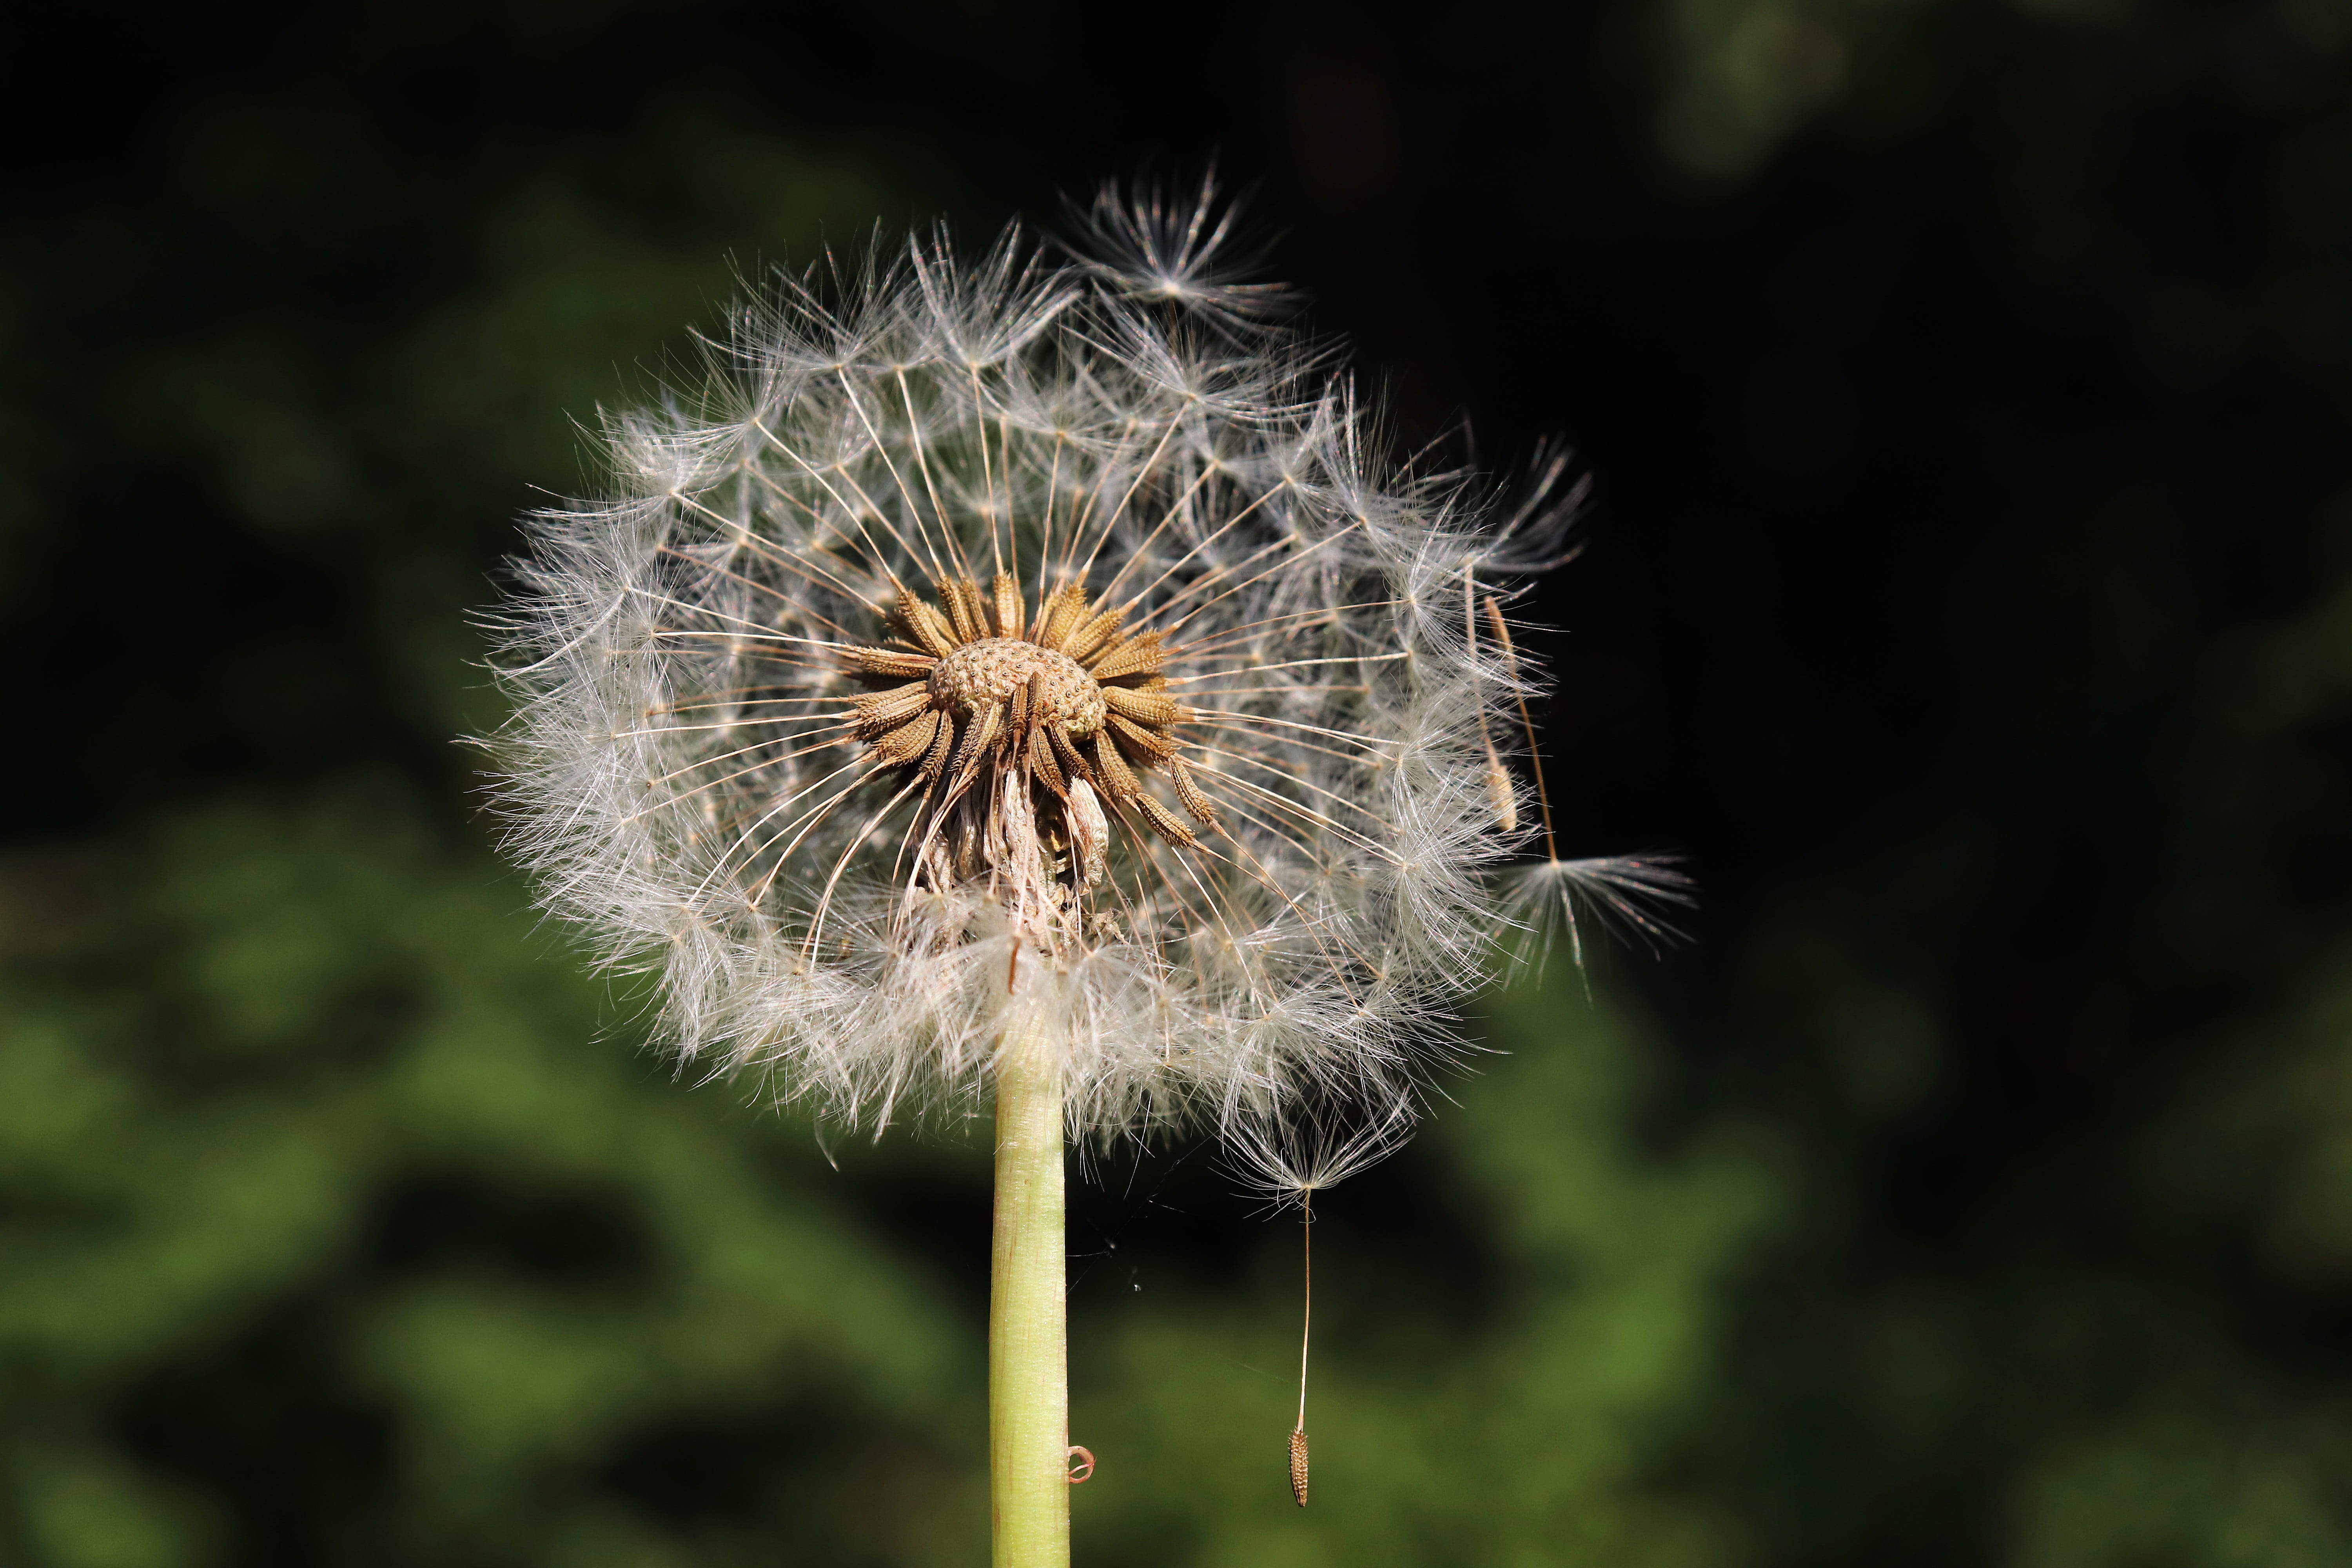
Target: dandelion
x=1012 y=678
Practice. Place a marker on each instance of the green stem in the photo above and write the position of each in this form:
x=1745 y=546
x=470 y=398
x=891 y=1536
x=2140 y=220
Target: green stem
x=1028 y=1359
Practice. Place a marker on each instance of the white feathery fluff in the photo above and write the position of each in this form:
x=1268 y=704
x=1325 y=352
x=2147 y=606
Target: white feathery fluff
x=757 y=749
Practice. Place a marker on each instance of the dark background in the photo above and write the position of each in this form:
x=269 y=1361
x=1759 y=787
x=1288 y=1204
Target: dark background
x=1967 y=595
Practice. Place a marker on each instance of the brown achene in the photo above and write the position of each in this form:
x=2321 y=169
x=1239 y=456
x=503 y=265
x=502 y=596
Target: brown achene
x=1064 y=699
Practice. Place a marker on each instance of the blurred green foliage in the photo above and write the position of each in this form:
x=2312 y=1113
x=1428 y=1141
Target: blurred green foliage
x=1969 y=385
x=343 y=1223
x=315 y=1157
x=2130 y=1338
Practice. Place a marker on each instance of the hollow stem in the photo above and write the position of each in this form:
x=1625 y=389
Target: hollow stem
x=1028 y=1357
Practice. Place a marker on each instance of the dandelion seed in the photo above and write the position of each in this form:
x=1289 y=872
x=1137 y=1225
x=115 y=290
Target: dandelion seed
x=1290 y=1164
x=1500 y=794
x=1628 y=893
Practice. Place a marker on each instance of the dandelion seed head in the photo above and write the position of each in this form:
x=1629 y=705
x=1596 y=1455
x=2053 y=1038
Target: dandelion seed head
x=984 y=648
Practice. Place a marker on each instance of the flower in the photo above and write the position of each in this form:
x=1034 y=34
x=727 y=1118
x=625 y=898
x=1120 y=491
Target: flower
x=997 y=646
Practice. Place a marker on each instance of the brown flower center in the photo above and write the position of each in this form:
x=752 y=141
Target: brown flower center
x=988 y=673
x=1001 y=715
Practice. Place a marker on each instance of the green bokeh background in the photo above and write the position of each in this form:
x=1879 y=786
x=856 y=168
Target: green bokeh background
x=1970 y=597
